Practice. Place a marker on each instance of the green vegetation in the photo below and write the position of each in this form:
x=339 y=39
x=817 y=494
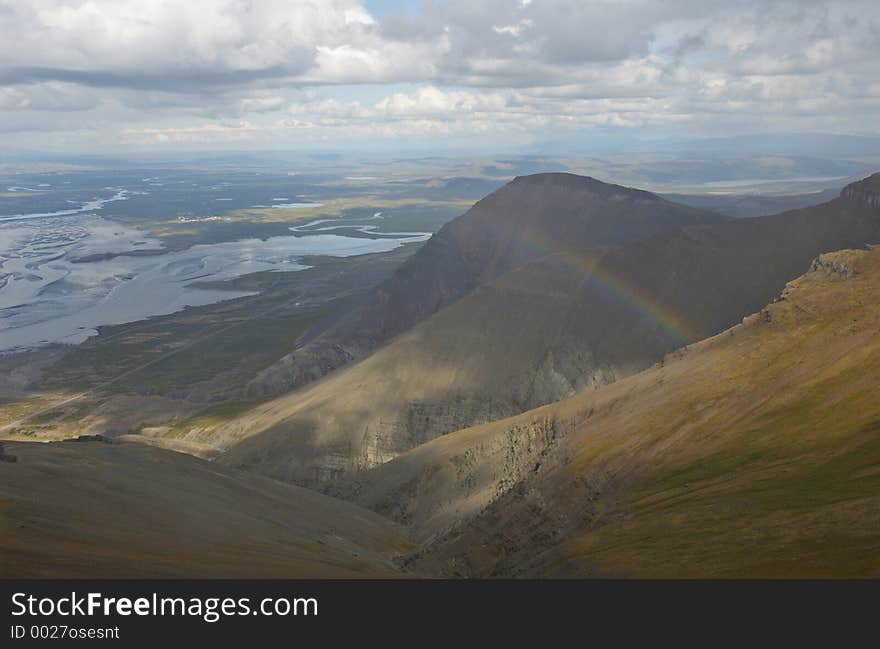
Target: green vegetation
x=245 y=349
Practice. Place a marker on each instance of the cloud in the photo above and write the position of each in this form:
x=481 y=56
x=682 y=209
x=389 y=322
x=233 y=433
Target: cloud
x=431 y=111
x=161 y=71
x=238 y=132
x=49 y=96
x=170 y=45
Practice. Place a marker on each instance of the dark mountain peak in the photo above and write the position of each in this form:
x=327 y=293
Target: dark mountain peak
x=558 y=180
x=573 y=211
x=529 y=218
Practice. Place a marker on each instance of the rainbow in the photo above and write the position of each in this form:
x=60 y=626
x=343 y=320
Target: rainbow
x=587 y=263
x=633 y=296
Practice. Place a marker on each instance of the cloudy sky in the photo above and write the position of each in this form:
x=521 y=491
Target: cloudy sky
x=78 y=75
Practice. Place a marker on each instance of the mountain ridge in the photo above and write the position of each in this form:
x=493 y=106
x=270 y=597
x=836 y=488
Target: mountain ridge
x=538 y=334
x=529 y=217
x=752 y=453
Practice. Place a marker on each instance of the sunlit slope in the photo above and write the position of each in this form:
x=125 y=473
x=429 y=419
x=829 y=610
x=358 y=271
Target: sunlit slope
x=529 y=218
x=755 y=453
x=92 y=509
x=536 y=335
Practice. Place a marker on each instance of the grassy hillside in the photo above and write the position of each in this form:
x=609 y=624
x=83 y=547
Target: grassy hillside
x=752 y=454
x=537 y=334
x=92 y=509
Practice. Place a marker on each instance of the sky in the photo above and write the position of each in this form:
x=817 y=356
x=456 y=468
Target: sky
x=109 y=75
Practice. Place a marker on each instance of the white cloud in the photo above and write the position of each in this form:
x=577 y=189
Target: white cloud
x=242 y=131
x=260 y=104
x=48 y=96
x=162 y=71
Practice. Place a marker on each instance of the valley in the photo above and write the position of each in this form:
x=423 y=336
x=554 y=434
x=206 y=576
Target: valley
x=750 y=454
x=572 y=378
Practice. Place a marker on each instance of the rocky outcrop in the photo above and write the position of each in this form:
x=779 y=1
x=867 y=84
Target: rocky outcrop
x=93 y=438
x=435 y=493
x=865 y=192
x=834 y=263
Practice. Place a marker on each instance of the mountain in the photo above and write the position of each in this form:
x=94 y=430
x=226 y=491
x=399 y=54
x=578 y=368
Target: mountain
x=865 y=192
x=529 y=218
x=754 y=204
x=539 y=333
x=92 y=509
x=754 y=453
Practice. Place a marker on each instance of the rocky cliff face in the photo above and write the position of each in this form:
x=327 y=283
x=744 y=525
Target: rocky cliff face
x=835 y=263
x=433 y=491
x=865 y=192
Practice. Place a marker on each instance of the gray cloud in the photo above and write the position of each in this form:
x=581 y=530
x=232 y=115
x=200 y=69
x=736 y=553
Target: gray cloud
x=182 y=81
x=326 y=68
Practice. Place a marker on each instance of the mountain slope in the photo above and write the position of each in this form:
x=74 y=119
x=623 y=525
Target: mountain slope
x=530 y=217
x=91 y=509
x=752 y=454
x=538 y=334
